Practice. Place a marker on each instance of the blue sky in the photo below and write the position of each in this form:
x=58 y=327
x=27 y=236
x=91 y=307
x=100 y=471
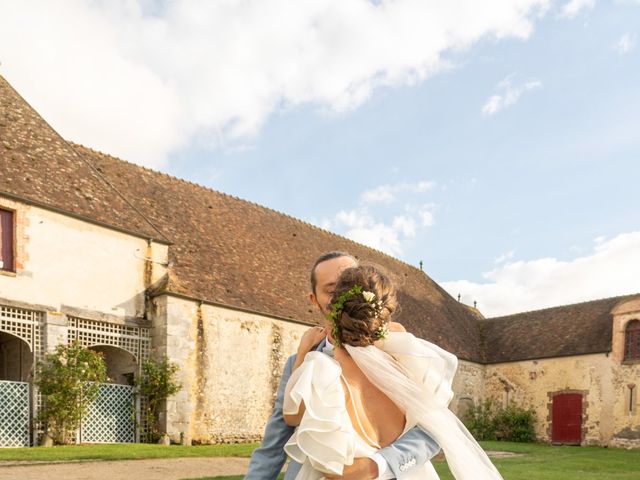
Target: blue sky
x=509 y=165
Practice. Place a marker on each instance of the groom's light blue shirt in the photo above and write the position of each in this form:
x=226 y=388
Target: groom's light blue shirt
x=414 y=448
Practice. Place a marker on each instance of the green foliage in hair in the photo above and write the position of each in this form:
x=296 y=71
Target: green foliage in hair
x=336 y=311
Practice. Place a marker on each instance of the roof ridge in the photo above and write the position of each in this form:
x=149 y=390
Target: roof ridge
x=70 y=146
x=250 y=202
x=595 y=300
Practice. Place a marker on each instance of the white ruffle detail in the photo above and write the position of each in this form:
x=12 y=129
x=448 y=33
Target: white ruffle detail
x=324 y=441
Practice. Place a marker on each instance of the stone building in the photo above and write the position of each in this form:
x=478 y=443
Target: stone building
x=136 y=263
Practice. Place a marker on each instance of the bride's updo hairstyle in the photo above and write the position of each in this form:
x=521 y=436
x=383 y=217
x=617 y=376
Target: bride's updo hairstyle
x=362 y=320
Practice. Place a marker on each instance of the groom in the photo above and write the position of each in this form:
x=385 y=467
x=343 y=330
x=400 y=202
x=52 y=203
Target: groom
x=412 y=449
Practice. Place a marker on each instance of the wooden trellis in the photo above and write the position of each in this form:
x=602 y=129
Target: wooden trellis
x=110 y=418
x=136 y=341
x=17 y=398
x=24 y=324
x=14 y=414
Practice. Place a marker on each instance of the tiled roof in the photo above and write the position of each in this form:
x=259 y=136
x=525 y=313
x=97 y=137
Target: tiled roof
x=37 y=165
x=575 y=329
x=231 y=251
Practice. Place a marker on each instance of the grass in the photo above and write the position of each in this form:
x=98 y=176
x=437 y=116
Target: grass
x=540 y=461
x=546 y=462
x=123 y=451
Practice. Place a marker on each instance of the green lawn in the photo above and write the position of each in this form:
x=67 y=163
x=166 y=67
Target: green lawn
x=539 y=462
x=124 y=451
x=545 y=462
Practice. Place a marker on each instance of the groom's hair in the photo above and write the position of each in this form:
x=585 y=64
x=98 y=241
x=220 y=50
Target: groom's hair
x=323 y=258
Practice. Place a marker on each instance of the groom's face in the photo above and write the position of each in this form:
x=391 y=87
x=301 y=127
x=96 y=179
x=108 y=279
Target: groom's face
x=327 y=274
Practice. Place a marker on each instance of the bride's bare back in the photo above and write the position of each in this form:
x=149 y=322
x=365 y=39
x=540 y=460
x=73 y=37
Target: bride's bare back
x=376 y=419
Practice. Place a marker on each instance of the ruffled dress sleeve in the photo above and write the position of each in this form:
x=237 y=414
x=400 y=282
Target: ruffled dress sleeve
x=323 y=442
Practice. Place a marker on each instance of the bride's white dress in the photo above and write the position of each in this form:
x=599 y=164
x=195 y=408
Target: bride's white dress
x=415 y=374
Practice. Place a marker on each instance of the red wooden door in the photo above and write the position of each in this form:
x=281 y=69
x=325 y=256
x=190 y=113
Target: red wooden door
x=566 y=426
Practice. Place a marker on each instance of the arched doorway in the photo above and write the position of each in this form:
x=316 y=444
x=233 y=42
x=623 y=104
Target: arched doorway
x=122 y=366
x=16 y=359
x=16 y=373
x=111 y=418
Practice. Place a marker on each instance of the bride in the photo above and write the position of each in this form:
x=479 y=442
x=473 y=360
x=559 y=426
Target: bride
x=380 y=383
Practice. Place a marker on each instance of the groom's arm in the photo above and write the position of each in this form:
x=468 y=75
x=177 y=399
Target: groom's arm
x=413 y=449
x=268 y=459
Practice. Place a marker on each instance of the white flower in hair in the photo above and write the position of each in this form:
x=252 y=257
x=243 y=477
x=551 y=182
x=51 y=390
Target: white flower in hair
x=383 y=331
x=368 y=296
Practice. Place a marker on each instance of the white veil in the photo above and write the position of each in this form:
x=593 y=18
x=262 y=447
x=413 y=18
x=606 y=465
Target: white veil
x=417 y=376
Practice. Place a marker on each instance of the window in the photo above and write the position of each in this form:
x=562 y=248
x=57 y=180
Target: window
x=632 y=341
x=6 y=240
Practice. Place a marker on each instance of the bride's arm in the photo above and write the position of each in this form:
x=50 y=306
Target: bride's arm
x=294 y=420
x=308 y=342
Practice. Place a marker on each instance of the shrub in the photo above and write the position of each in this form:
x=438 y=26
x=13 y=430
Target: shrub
x=515 y=424
x=480 y=420
x=69 y=380
x=487 y=421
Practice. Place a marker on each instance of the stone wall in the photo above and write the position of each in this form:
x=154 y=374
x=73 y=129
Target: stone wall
x=603 y=381
x=468 y=386
x=231 y=361
x=230 y=367
x=64 y=261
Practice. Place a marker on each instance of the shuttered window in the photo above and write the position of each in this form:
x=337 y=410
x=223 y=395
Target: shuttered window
x=632 y=341
x=6 y=240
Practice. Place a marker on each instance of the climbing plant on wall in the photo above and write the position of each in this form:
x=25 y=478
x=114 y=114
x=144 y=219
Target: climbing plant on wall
x=156 y=384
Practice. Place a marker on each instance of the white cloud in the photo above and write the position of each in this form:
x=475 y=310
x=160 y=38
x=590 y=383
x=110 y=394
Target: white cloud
x=383 y=230
x=404 y=224
x=388 y=193
x=574 y=7
x=426 y=217
x=425 y=213
x=625 y=43
x=359 y=225
x=140 y=79
x=509 y=94
x=504 y=257
x=610 y=269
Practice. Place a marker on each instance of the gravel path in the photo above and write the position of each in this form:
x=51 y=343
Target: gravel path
x=147 y=469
